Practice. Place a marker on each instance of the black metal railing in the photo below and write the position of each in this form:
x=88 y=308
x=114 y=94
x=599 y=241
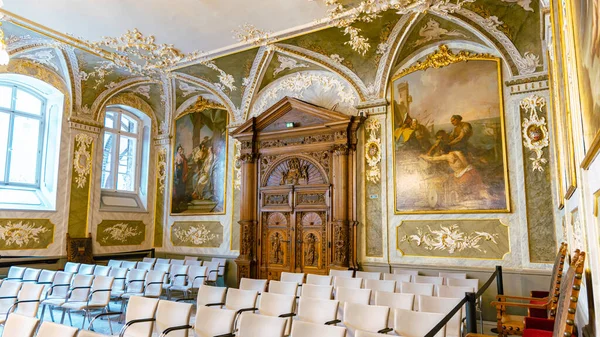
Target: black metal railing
x=469 y=301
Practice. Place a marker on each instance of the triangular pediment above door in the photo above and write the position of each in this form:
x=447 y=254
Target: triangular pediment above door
x=291 y=110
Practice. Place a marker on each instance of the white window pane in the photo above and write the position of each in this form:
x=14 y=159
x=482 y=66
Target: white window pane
x=109 y=120
x=4 y=123
x=26 y=102
x=107 y=181
x=23 y=197
x=128 y=124
x=126 y=170
x=5 y=97
x=24 y=154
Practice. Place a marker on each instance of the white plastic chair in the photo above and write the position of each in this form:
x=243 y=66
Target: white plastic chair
x=253 y=284
x=102 y=270
x=192 y=263
x=453 y=292
x=317 y=311
x=395 y=301
x=410 y=272
x=360 y=333
x=114 y=263
x=86 y=269
x=238 y=299
x=152 y=285
x=129 y=264
x=429 y=279
x=177 y=262
x=398 y=278
x=342 y=282
x=26 y=303
x=166 y=268
x=459 y=276
x=351 y=295
x=139 y=317
x=293 y=277
x=443 y=305
x=341 y=273
x=222 y=263
x=71 y=267
x=31 y=275
x=46 y=278
x=322 y=280
x=210 y=296
x=15 y=273
x=212 y=271
x=372 y=318
x=306 y=329
x=409 y=323
x=97 y=299
x=149 y=260
x=49 y=329
x=209 y=322
x=473 y=283
x=191 y=258
x=57 y=291
x=77 y=292
x=196 y=276
x=144 y=265
x=170 y=314
x=367 y=275
x=134 y=282
x=283 y=288
x=426 y=289
x=317 y=291
x=163 y=261
x=20 y=326
x=252 y=325
x=120 y=276
x=278 y=305
x=177 y=278
x=379 y=286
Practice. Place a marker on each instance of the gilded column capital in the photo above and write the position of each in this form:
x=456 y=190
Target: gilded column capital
x=340 y=149
x=247 y=158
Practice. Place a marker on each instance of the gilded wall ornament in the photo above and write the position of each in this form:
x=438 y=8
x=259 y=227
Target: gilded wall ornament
x=196 y=235
x=82 y=163
x=201 y=104
x=161 y=169
x=373 y=150
x=21 y=234
x=121 y=232
x=286 y=63
x=441 y=58
x=249 y=33
x=449 y=238
x=535 y=130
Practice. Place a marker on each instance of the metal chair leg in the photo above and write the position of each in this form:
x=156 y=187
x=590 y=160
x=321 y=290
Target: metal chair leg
x=62 y=318
x=51 y=310
x=70 y=319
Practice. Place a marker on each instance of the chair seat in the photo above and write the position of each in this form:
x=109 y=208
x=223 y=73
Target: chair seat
x=539 y=313
x=180 y=288
x=513 y=323
x=82 y=305
x=537 y=333
x=54 y=301
x=128 y=295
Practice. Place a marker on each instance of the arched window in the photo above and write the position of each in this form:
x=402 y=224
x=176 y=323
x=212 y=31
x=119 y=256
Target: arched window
x=22 y=119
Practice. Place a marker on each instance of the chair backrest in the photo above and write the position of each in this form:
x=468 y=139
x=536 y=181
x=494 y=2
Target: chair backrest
x=15 y=273
x=557 y=272
x=342 y=282
x=416 y=324
x=240 y=299
x=170 y=314
x=398 y=278
x=305 y=329
x=317 y=291
x=360 y=333
x=253 y=284
x=380 y=286
x=102 y=270
x=192 y=262
x=99 y=289
x=19 y=325
x=351 y=295
x=8 y=289
x=341 y=273
x=213 y=322
x=129 y=264
x=139 y=308
x=210 y=295
x=196 y=275
x=284 y=288
x=417 y=288
x=411 y=272
x=144 y=265
x=164 y=267
x=212 y=270
x=119 y=275
x=222 y=263
x=29 y=292
x=276 y=304
x=322 y=280
x=473 y=283
x=49 y=329
x=135 y=279
x=46 y=278
x=367 y=275
x=446 y=276
x=567 y=301
x=429 y=279
x=177 y=262
x=395 y=301
x=71 y=267
x=316 y=310
x=163 y=261
x=178 y=274
x=87 y=333
x=149 y=260
x=154 y=283
x=80 y=280
x=61 y=277
x=292 y=277
x=443 y=305
x=31 y=275
x=192 y=258
x=365 y=317
x=260 y=325
x=115 y=263
x=453 y=292
x=86 y=269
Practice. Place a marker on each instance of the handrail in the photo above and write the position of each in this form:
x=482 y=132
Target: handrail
x=469 y=300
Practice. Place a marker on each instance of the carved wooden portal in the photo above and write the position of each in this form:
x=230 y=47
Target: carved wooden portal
x=298 y=210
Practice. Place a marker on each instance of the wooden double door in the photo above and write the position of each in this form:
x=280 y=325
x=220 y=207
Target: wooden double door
x=293 y=230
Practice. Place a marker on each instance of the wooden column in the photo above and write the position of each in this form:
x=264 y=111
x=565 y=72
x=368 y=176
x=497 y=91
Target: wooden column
x=246 y=261
x=341 y=231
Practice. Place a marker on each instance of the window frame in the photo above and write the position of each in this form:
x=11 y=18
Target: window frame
x=13 y=112
x=116 y=130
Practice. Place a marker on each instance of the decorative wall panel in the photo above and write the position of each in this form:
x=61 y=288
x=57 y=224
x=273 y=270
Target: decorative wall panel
x=373 y=207
x=83 y=150
x=120 y=233
x=161 y=188
x=25 y=234
x=206 y=234
x=470 y=239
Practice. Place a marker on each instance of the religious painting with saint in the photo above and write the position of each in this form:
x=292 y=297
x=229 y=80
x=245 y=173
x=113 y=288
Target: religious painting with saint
x=449 y=147
x=199 y=163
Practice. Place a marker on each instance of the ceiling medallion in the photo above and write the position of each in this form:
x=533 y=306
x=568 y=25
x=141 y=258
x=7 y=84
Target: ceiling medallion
x=368 y=10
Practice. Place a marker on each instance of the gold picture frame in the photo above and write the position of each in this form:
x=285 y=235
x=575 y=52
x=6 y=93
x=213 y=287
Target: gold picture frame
x=444 y=57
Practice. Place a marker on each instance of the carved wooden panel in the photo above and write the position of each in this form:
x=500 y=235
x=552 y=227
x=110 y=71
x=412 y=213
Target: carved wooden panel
x=311 y=236
x=295 y=171
x=276 y=248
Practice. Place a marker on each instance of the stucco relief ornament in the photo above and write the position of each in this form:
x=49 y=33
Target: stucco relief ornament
x=187 y=89
x=432 y=31
x=535 y=130
x=161 y=168
x=249 y=33
x=82 y=163
x=120 y=232
x=287 y=63
x=373 y=150
x=143 y=90
x=21 y=233
x=237 y=167
x=449 y=238
x=196 y=235
x=43 y=57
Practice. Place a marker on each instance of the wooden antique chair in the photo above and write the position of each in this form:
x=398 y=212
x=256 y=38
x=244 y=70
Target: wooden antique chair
x=543 y=307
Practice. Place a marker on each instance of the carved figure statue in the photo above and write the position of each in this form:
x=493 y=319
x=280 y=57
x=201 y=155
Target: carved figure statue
x=276 y=249
x=294 y=172
x=311 y=256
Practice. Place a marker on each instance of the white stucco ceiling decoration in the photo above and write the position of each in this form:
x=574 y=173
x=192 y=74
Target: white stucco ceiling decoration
x=189 y=25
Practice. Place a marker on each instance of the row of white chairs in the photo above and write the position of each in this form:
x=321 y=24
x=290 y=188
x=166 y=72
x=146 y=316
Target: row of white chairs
x=148 y=263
